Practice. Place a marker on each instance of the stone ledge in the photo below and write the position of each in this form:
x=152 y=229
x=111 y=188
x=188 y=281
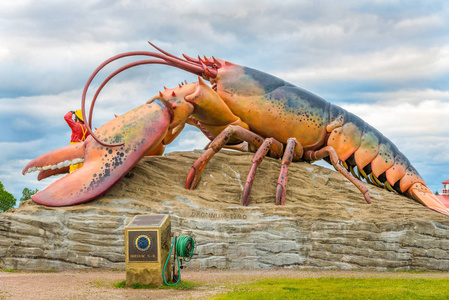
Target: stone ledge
x=324 y=224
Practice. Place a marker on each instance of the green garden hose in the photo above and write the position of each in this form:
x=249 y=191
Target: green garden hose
x=185 y=246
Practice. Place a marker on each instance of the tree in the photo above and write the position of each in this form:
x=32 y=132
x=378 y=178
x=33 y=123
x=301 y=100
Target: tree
x=7 y=200
x=27 y=193
x=436 y=193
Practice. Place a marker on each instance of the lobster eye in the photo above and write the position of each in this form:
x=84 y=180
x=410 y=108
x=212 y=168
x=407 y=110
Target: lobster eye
x=215 y=66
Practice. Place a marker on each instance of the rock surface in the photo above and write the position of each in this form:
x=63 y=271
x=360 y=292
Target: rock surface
x=325 y=223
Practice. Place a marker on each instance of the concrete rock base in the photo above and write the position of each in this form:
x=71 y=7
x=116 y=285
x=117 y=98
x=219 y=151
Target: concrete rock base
x=325 y=223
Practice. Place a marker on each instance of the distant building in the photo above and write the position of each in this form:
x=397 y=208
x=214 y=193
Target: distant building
x=444 y=197
x=445 y=188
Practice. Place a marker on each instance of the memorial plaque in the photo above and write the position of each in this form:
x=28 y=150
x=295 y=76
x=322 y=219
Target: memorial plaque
x=143 y=246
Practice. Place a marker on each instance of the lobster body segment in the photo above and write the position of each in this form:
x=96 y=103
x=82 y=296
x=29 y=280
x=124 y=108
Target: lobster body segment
x=245 y=109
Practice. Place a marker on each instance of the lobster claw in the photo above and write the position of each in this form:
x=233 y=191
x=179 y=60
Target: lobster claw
x=140 y=129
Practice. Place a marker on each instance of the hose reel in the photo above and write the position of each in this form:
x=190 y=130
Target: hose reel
x=184 y=248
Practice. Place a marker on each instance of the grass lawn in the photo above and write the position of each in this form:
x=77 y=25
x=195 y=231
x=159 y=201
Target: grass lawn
x=342 y=288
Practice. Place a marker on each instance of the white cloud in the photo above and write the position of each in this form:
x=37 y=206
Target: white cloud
x=410 y=96
x=190 y=139
x=395 y=64
x=10 y=149
x=421 y=22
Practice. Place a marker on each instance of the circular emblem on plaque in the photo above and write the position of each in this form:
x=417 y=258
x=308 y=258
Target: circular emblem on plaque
x=143 y=243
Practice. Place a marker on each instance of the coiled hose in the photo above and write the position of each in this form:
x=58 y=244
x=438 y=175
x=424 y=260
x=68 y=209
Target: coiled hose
x=185 y=246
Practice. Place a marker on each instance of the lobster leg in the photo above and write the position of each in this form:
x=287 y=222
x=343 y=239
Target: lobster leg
x=269 y=143
x=216 y=145
x=293 y=151
x=329 y=151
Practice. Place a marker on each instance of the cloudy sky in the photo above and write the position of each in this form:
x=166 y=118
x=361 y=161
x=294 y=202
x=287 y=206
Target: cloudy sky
x=385 y=61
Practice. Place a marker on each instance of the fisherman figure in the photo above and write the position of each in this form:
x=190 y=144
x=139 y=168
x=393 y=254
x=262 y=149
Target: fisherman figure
x=79 y=131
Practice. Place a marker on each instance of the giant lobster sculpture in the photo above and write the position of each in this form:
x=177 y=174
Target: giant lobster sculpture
x=244 y=109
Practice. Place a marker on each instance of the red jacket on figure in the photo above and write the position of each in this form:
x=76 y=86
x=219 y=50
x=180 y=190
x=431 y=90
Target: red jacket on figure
x=79 y=131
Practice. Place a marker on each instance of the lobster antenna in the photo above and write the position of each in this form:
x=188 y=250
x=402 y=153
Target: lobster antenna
x=191 y=59
x=116 y=72
x=164 y=52
x=165 y=58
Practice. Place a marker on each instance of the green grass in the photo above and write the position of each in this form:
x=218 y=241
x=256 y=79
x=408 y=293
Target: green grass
x=27 y=271
x=417 y=271
x=120 y=285
x=100 y=284
x=342 y=288
x=182 y=285
x=137 y=286
x=9 y=270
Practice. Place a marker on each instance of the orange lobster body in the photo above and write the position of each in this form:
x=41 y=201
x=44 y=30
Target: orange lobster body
x=244 y=109
x=274 y=108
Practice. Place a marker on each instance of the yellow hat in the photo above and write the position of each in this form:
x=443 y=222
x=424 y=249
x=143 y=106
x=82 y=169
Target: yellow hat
x=79 y=114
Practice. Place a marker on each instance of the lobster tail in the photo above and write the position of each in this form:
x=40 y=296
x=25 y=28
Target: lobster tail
x=377 y=159
x=423 y=194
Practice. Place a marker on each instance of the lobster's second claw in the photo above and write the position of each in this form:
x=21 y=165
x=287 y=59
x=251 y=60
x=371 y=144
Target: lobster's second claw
x=141 y=129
